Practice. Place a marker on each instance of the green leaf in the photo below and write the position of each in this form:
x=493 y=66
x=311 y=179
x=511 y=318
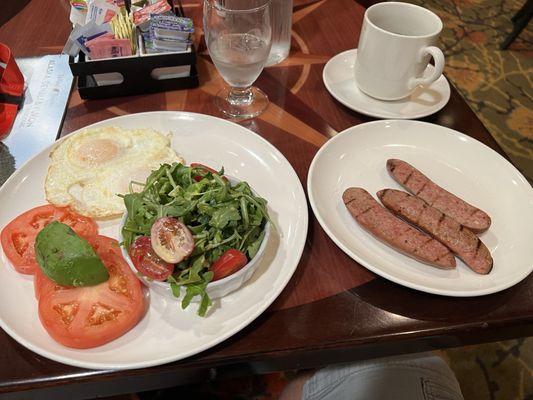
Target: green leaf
x=204 y=208
x=254 y=246
x=194 y=290
x=208 y=276
x=222 y=216
x=179 y=210
x=205 y=303
x=194 y=189
x=244 y=212
x=190 y=292
x=197 y=265
x=197 y=230
x=176 y=291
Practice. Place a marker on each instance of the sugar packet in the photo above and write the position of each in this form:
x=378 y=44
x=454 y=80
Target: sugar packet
x=106 y=46
x=81 y=34
x=100 y=11
x=78 y=12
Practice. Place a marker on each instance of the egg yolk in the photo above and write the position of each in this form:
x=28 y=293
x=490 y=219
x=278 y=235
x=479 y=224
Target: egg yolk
x=97 y=151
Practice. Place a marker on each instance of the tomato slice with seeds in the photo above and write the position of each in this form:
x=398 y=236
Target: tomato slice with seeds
x=42 y=284
x=103 y=245
x=18 y=237
x=91 y=316
x=83 y=226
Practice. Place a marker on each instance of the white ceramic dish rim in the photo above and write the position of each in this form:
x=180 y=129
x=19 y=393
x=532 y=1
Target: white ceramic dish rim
x=257 y=311
x=377 y=114
x=360 y=260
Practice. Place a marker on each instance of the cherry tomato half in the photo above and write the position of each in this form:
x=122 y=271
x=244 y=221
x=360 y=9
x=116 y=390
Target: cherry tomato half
x=171 y=239
x=147 y=262
x=228 y=263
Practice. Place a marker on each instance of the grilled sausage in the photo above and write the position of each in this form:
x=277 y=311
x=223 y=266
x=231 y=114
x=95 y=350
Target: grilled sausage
x=460 y=240
x=394 y=232
x=420 y=185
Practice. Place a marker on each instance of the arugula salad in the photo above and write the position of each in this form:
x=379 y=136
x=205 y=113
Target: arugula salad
x=190 y=225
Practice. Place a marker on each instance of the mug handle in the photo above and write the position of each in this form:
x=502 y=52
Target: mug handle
x=438 y=57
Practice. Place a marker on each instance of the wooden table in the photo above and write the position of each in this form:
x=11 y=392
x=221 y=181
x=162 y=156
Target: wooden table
x=333 y=310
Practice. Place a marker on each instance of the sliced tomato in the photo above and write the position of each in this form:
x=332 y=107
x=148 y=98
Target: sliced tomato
x=42 y=284
x=91 y=316
x=103 y=245
x=83 y=226
x=147 y=262
x=198 y=178
x=230 y=262
x=18 y=237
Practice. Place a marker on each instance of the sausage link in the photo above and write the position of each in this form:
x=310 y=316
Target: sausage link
x=420 y=185
x=394 y=232
x=460 y=240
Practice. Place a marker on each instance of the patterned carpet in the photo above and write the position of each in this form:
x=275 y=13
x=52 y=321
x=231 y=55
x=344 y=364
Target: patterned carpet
x=497 y=84
x=494 y=371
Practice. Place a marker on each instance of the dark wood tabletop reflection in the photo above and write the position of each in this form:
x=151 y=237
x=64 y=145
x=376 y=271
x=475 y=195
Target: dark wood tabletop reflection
x=333 y=310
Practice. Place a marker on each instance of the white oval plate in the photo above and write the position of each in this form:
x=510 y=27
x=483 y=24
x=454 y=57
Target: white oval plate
x=339 y=79
x=464 y=166
x=168 y=333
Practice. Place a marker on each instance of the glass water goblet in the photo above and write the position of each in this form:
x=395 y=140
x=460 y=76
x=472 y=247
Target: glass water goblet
x=238 y=34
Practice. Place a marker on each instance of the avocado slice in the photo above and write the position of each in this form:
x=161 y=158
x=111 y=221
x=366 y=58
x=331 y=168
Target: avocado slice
x=68 y=259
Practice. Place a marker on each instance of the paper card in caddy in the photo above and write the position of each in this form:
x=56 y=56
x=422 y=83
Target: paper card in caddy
x=396 y=44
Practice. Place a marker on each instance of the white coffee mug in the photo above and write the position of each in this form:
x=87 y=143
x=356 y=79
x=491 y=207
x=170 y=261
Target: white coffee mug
x=396 y=43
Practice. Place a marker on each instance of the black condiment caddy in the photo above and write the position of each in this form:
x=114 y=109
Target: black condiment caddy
x=137 y=72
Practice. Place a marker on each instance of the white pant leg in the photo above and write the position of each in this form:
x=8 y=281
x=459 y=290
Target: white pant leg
x=413 y=377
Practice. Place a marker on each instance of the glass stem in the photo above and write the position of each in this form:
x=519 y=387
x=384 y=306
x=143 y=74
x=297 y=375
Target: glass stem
x=240 y=96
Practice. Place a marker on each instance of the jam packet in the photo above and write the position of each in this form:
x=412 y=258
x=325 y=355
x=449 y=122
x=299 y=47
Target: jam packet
x=142 y=16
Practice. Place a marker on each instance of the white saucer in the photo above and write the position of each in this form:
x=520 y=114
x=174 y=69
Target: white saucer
x=338 y=76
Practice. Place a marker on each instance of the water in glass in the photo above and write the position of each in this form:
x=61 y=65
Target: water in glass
x=281 y=31
x=239 y=57
x=238 y=34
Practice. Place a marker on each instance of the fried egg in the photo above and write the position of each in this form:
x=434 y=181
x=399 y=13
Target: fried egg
x=87 y=170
